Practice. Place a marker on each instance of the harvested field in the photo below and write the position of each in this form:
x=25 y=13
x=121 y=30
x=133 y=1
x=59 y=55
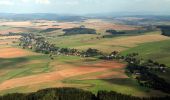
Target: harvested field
x=59 y=75
x=15 y=30
x=16 y=23
x=5 y=42
x=94 y=23
x=103 y=25
x=14 y=52
x=63 y=25
x=9 y=37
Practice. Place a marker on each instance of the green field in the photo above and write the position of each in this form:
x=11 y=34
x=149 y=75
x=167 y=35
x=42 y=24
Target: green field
x=107 y=44
x=158 y=51
x=5 y=27
x=25 y=66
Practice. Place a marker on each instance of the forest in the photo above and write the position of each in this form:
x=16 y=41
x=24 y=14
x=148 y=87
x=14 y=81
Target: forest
x=74 y=94
x=165 y=30
x=49 y=30
x=114 y=32
x=73 y=31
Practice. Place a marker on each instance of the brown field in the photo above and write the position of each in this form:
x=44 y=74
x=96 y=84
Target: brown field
x=108 y=75
x=14 y=30
x=12 y=52
x=39 y=24
x=60 y=75
x=7 y=41
x=2 y=42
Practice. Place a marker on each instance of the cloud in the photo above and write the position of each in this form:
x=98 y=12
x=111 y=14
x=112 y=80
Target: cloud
x=42 y=1
x=36 y=1
x=6 y=2
x=85 y=6
x=25 y=1
x=72 y=2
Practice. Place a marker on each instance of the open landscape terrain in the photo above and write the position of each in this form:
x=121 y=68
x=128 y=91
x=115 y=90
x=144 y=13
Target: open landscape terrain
x=25 y=69
x=84 y=50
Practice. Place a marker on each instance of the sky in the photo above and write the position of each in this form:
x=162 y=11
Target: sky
x=85 y=6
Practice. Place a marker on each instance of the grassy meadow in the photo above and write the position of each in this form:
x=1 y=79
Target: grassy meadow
x=158 y=51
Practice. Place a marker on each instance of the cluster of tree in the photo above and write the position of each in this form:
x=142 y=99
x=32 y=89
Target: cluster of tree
x=39 y=44
x=73 y=31
x=114 y=32
x=143 y=71
x=111 y=56
x=148 y=79
x=133 y=58
x=155 y=66
x=49 y=30
x=74 y=94
x=165 y=30
x=142 y=30
x=90 y=52
x=104 y=95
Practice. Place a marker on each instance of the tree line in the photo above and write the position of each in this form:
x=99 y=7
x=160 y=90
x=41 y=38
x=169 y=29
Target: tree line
x=113 y=32
x=49 y=30
x=165 y=30
x=79 y=30
x=74 y=94
x=11 y=34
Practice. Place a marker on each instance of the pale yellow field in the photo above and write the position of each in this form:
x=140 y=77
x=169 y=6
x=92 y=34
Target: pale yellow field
x=97 y=24
x=132 y=41
x=122 y=43
x=9 y=37
x=104 y=25
x=16 y=23
x=14 y=30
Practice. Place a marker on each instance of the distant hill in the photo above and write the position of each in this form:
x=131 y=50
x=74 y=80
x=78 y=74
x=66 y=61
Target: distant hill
x=40 y=16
